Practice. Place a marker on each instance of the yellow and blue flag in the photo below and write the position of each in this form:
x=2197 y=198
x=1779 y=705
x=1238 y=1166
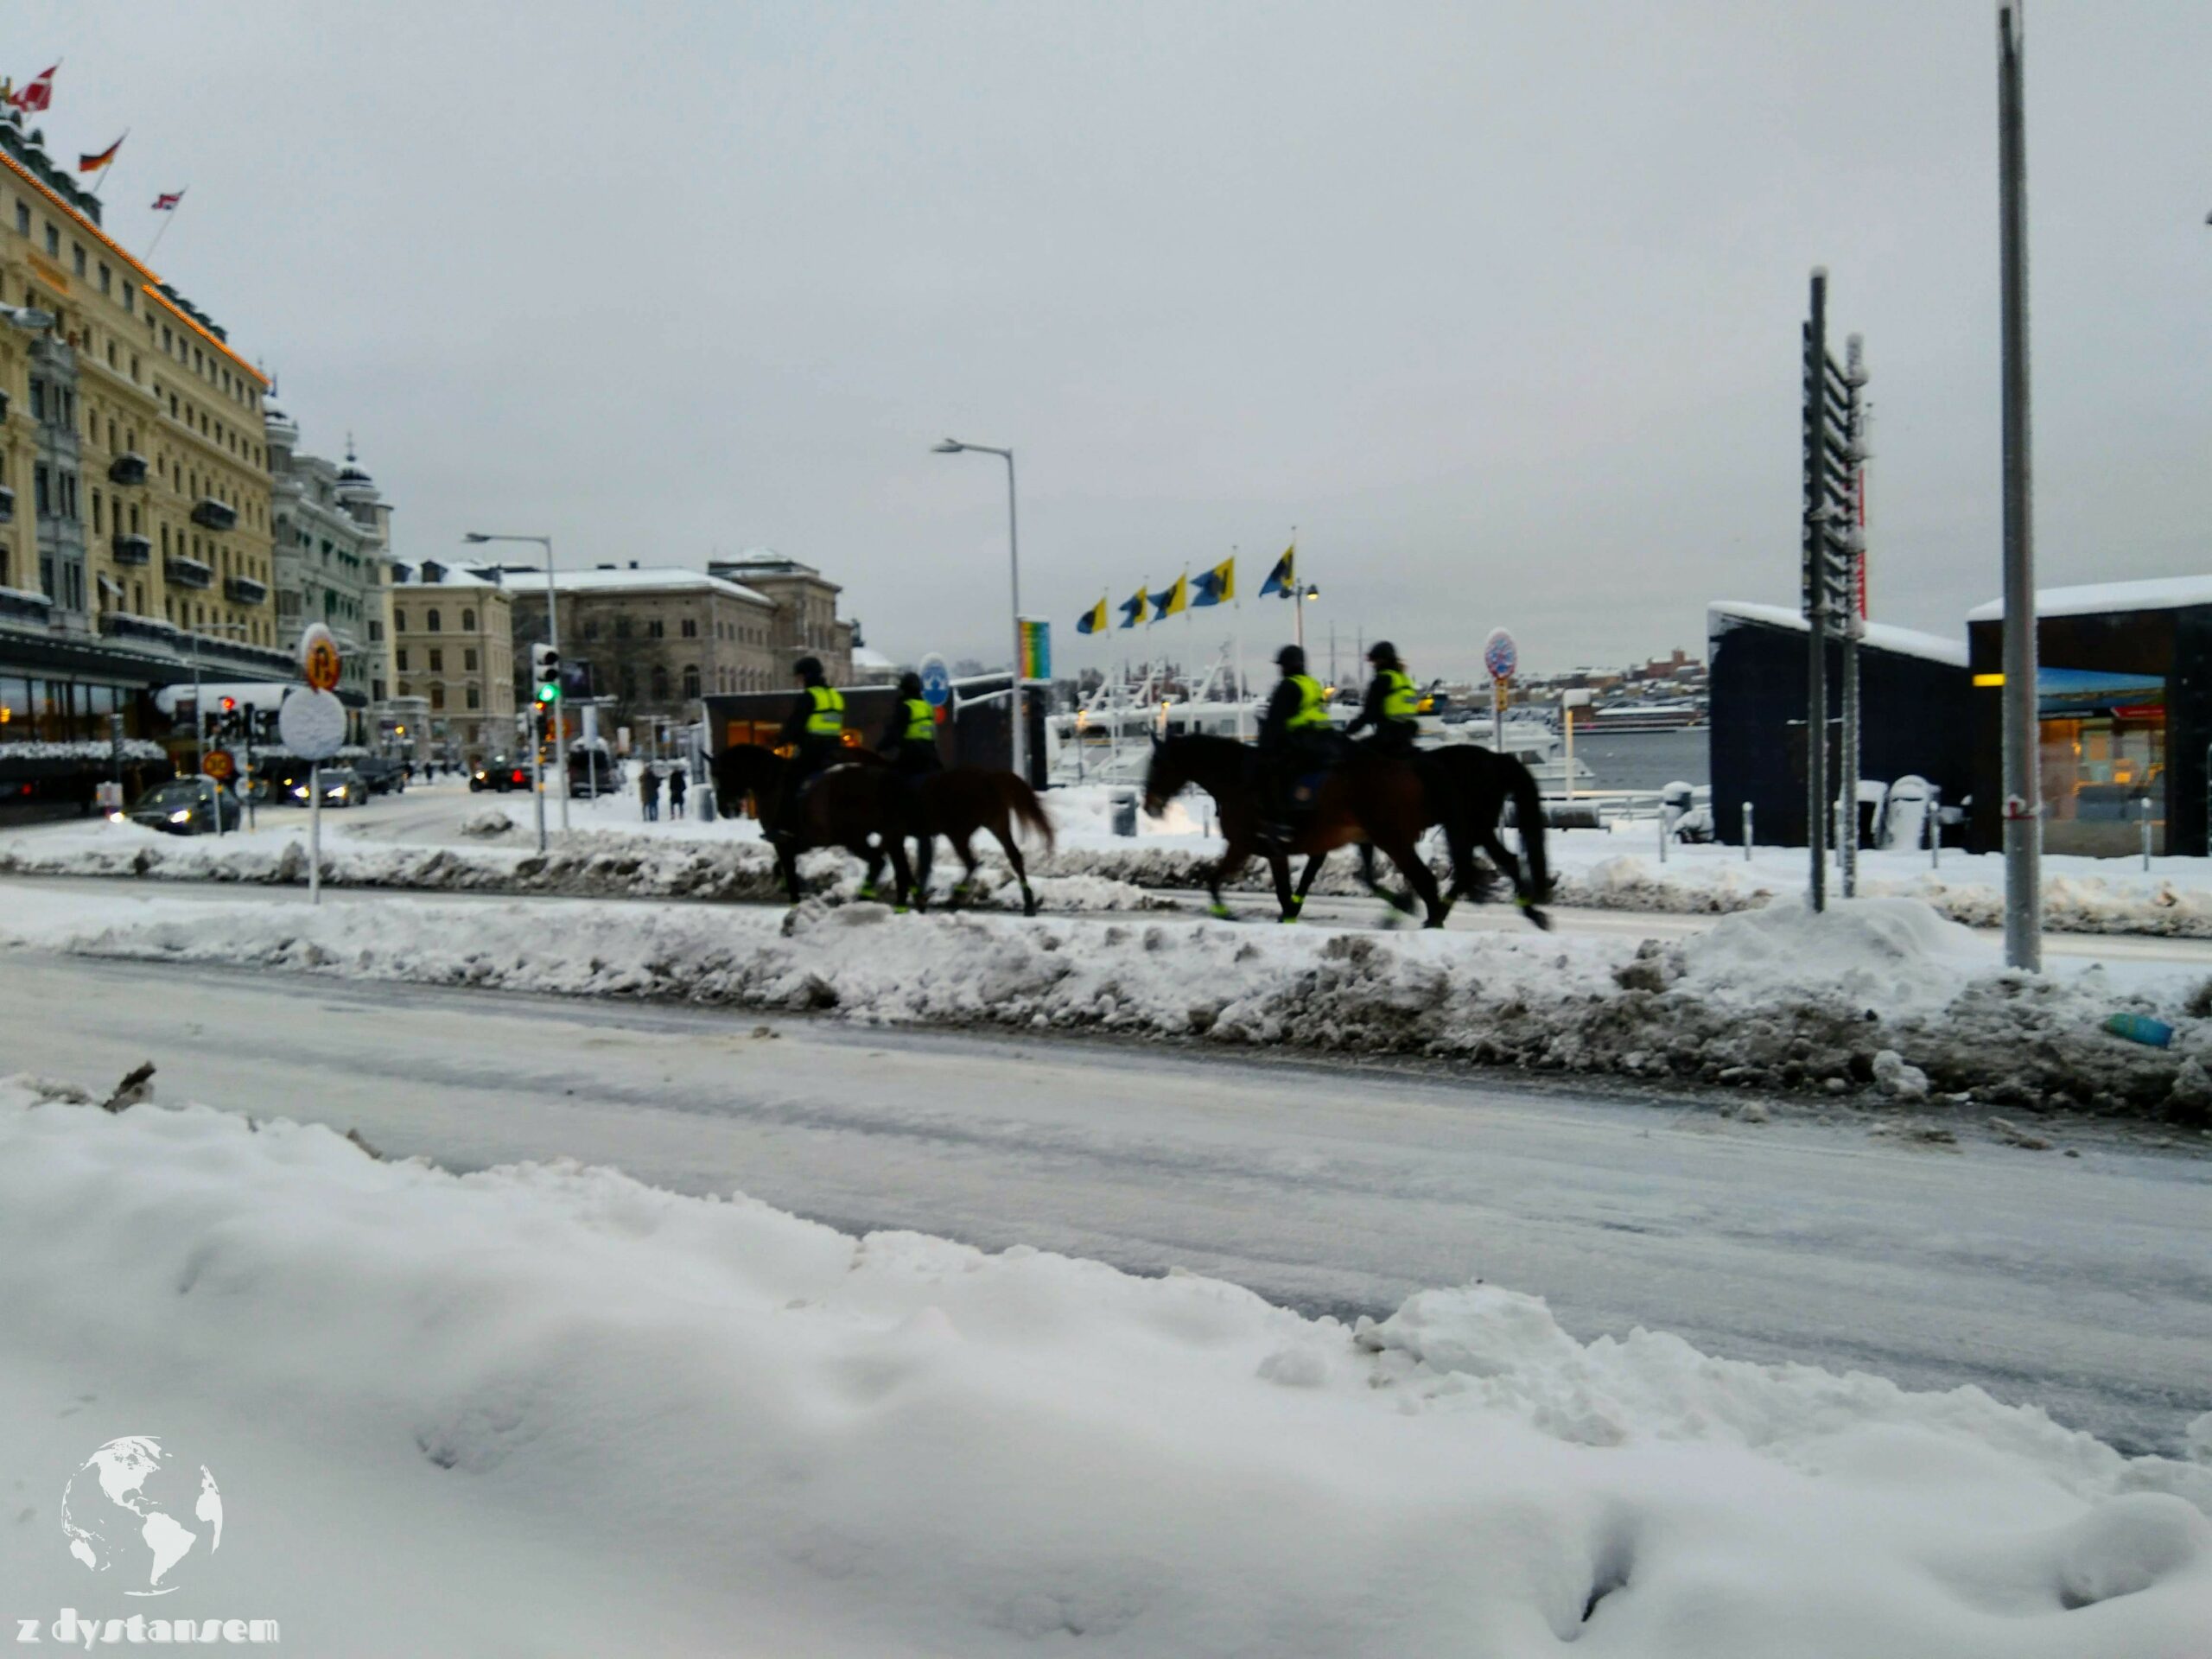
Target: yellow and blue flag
x=1283 y=579
x=1174 y=597
x=1094 y=619
x=1133 y=608
x=1218 y=584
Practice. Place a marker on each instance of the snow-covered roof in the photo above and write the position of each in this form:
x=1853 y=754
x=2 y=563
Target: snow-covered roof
x=868 y=656
x=1881 y=636
x=448 y=575
x=264 y=697
x=664 y=578
x=2158 y=593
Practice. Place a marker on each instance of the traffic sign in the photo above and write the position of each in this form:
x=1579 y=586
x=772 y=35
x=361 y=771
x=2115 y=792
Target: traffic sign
x=312 y=724
x=216 y=764
x=937 y=681
x=1500 y=656
x=319 y=658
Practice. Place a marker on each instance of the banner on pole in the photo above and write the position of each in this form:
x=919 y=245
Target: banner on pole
x=1036 y=667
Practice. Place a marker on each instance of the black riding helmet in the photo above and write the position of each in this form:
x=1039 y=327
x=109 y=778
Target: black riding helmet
x=1382 y=654
x=809 y=669
x=1291 y=660
x=910 y=685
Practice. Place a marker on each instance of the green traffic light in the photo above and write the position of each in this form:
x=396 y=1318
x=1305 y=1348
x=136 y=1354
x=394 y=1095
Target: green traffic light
x=549 y=692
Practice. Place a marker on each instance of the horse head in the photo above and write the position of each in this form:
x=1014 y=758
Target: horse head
x=1164 y=776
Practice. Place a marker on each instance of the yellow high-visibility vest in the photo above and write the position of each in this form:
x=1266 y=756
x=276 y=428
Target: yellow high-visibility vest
x=1399 y=700
x=921 y=721
x=828 y=719
x=1313 y=707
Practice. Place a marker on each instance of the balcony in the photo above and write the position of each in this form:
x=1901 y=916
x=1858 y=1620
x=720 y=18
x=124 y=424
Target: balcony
x=209 y=513
x=244 y=590
x=124 y=625
x=16 y=606
x=189 y=573
x=132 y=549
x=127 y=468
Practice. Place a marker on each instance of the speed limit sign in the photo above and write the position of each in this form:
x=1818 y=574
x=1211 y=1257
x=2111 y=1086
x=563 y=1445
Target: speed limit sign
x=219 y=765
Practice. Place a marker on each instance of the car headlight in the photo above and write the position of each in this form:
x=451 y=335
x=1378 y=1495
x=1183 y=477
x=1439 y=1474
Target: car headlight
x=340 y=791
x=182 y=815
x=299 y=791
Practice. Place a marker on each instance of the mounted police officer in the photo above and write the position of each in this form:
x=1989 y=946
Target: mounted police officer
x=1392 y=707
x=909 y=741
x=1295 y=737
x=815 y=729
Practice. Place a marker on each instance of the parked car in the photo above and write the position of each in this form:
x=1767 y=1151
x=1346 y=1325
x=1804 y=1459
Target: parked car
x=186 y=807
x=501 y=772
x=383 y=776
x=586 y=771
x=342 y=786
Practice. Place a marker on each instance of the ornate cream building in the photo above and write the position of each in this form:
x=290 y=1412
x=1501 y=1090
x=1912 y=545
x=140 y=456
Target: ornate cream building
x=452 y=646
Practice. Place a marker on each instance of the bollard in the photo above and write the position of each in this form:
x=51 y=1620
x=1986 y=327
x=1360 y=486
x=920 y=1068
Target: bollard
x=1664 y=827
x=1747 y=832
x=2146 y=832
x=1935 y=837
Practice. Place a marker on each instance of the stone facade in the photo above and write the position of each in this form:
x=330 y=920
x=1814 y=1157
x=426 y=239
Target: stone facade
x=807 y=624
x=331 y=556
x=453 y=645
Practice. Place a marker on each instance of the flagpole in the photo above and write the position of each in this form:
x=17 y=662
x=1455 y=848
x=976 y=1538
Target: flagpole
x=110 y=168
x=1244 y=691
x=1296 y=590
x=165 y=223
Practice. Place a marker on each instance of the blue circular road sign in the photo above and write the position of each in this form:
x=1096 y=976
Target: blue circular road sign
x=937 y=681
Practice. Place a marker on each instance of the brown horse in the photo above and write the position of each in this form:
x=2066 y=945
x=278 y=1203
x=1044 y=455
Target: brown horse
x=958 y=804
x=863 y=806
x=848 y=806
x=1369 y=798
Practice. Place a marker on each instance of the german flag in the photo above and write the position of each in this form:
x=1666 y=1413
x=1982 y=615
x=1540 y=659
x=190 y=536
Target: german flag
x=93 y=163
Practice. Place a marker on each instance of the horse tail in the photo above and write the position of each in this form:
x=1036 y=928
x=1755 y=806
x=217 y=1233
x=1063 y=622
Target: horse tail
x=1028 y=811
x=1528 y=818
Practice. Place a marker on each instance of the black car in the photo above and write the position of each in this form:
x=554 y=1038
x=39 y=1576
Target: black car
x=501 y=772
x=186 y=807
x=383 y=776
x=342 y=786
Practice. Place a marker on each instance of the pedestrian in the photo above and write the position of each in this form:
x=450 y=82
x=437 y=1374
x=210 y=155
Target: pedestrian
x=676 y=785
x=648 y=791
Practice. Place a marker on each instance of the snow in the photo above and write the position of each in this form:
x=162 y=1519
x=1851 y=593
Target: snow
x=2156 y=594
x=133 y=748
x=1880 y=636
x=1778 y=998
x=264 y=697
x=662 y=578
x=779 y=1438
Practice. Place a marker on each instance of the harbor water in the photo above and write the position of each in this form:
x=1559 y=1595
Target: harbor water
x=1645 y=760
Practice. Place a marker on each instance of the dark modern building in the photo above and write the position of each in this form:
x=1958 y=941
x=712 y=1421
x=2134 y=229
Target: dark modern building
x=1916 y=699
x=2123 y=694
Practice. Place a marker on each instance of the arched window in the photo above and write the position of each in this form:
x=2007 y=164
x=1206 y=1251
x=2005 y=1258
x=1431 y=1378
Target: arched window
x=691 y=680
x=434 y=621
x=629 y=684
x=399 y=626
x=468 y=620
x=660 y=682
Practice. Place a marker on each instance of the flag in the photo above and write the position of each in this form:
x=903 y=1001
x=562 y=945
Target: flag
x=1218 y=584
x=93 y=163
x=1283 y=579
x=1133 y=608
x=1094 y=619
x=37 y=95
x=167 y=201
x=1174 y=597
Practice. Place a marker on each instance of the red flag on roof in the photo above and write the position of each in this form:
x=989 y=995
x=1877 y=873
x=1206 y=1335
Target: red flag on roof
x=167 y=201
x=37 y=93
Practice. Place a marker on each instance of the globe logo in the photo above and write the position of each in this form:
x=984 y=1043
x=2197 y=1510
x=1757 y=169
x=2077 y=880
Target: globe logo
x=135 y=1510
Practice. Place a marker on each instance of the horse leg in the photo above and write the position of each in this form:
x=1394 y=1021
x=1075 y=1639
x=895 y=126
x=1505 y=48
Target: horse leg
x=924 y=848
x=873 y=855
x=1407 y=858
x=1233 y=859
x=1313 y=863
x=1002 y=831
x=1400 y=902
x=1279 y=867
x=902 y=874
x=960 y=888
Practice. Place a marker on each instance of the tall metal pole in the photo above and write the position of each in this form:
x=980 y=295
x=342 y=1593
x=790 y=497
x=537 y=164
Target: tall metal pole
x=2022 y=785
x=560 y=705
x=1816 y=609
x=1846 y=846
x=1013 y=571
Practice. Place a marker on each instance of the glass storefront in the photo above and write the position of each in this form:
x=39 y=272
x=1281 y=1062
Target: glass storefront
x=33 y=709
x=2104 y=760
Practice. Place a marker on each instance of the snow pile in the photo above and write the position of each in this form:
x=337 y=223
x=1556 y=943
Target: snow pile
x=1779 y=999
x=546 y=1401
x=488 y=824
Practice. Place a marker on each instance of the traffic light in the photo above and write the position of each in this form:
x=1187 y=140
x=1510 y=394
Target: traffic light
x=545 y=668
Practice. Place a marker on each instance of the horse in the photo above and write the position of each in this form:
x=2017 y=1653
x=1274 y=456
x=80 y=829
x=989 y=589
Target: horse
x=1369 y=798
x=1472 y=786
x=956 y=803
x=846 y=805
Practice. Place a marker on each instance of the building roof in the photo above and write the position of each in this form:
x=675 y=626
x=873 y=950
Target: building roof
x=868 y=656
x=1881 y=636
x=432 y=574
x=663 y=578
x=2158 y=593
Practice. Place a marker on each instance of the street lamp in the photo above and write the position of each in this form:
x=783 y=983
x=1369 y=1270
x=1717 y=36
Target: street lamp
x=552 y=639
x=953 y=446
x=1306 y=595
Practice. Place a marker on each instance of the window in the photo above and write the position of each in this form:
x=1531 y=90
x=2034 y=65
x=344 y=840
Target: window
x=621 y=627
x=475 y=699
x=77 y=258
x=376 y=631
x=468 y=622
x=591 y=630
x=468 y=660
x=432 y=624
x=22 y=220
x=653 y=629
x=129 y=307
x=437 y=660
x=691 y=680
x=399 y=659
x=399 y=624
x=106 y=280
x=690 y=627
x=437 y=694
x=660 y=682
x=53 y=243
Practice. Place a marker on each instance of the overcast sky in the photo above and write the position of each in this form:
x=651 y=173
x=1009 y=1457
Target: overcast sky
x=1497 y=303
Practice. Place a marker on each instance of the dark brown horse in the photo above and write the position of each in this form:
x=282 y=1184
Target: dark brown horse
x=863 y=806
x=1369 y=798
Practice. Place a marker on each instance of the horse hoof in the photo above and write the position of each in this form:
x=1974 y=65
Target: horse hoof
x=1290 y=920
x=1540 y=918
x=1218 y=911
